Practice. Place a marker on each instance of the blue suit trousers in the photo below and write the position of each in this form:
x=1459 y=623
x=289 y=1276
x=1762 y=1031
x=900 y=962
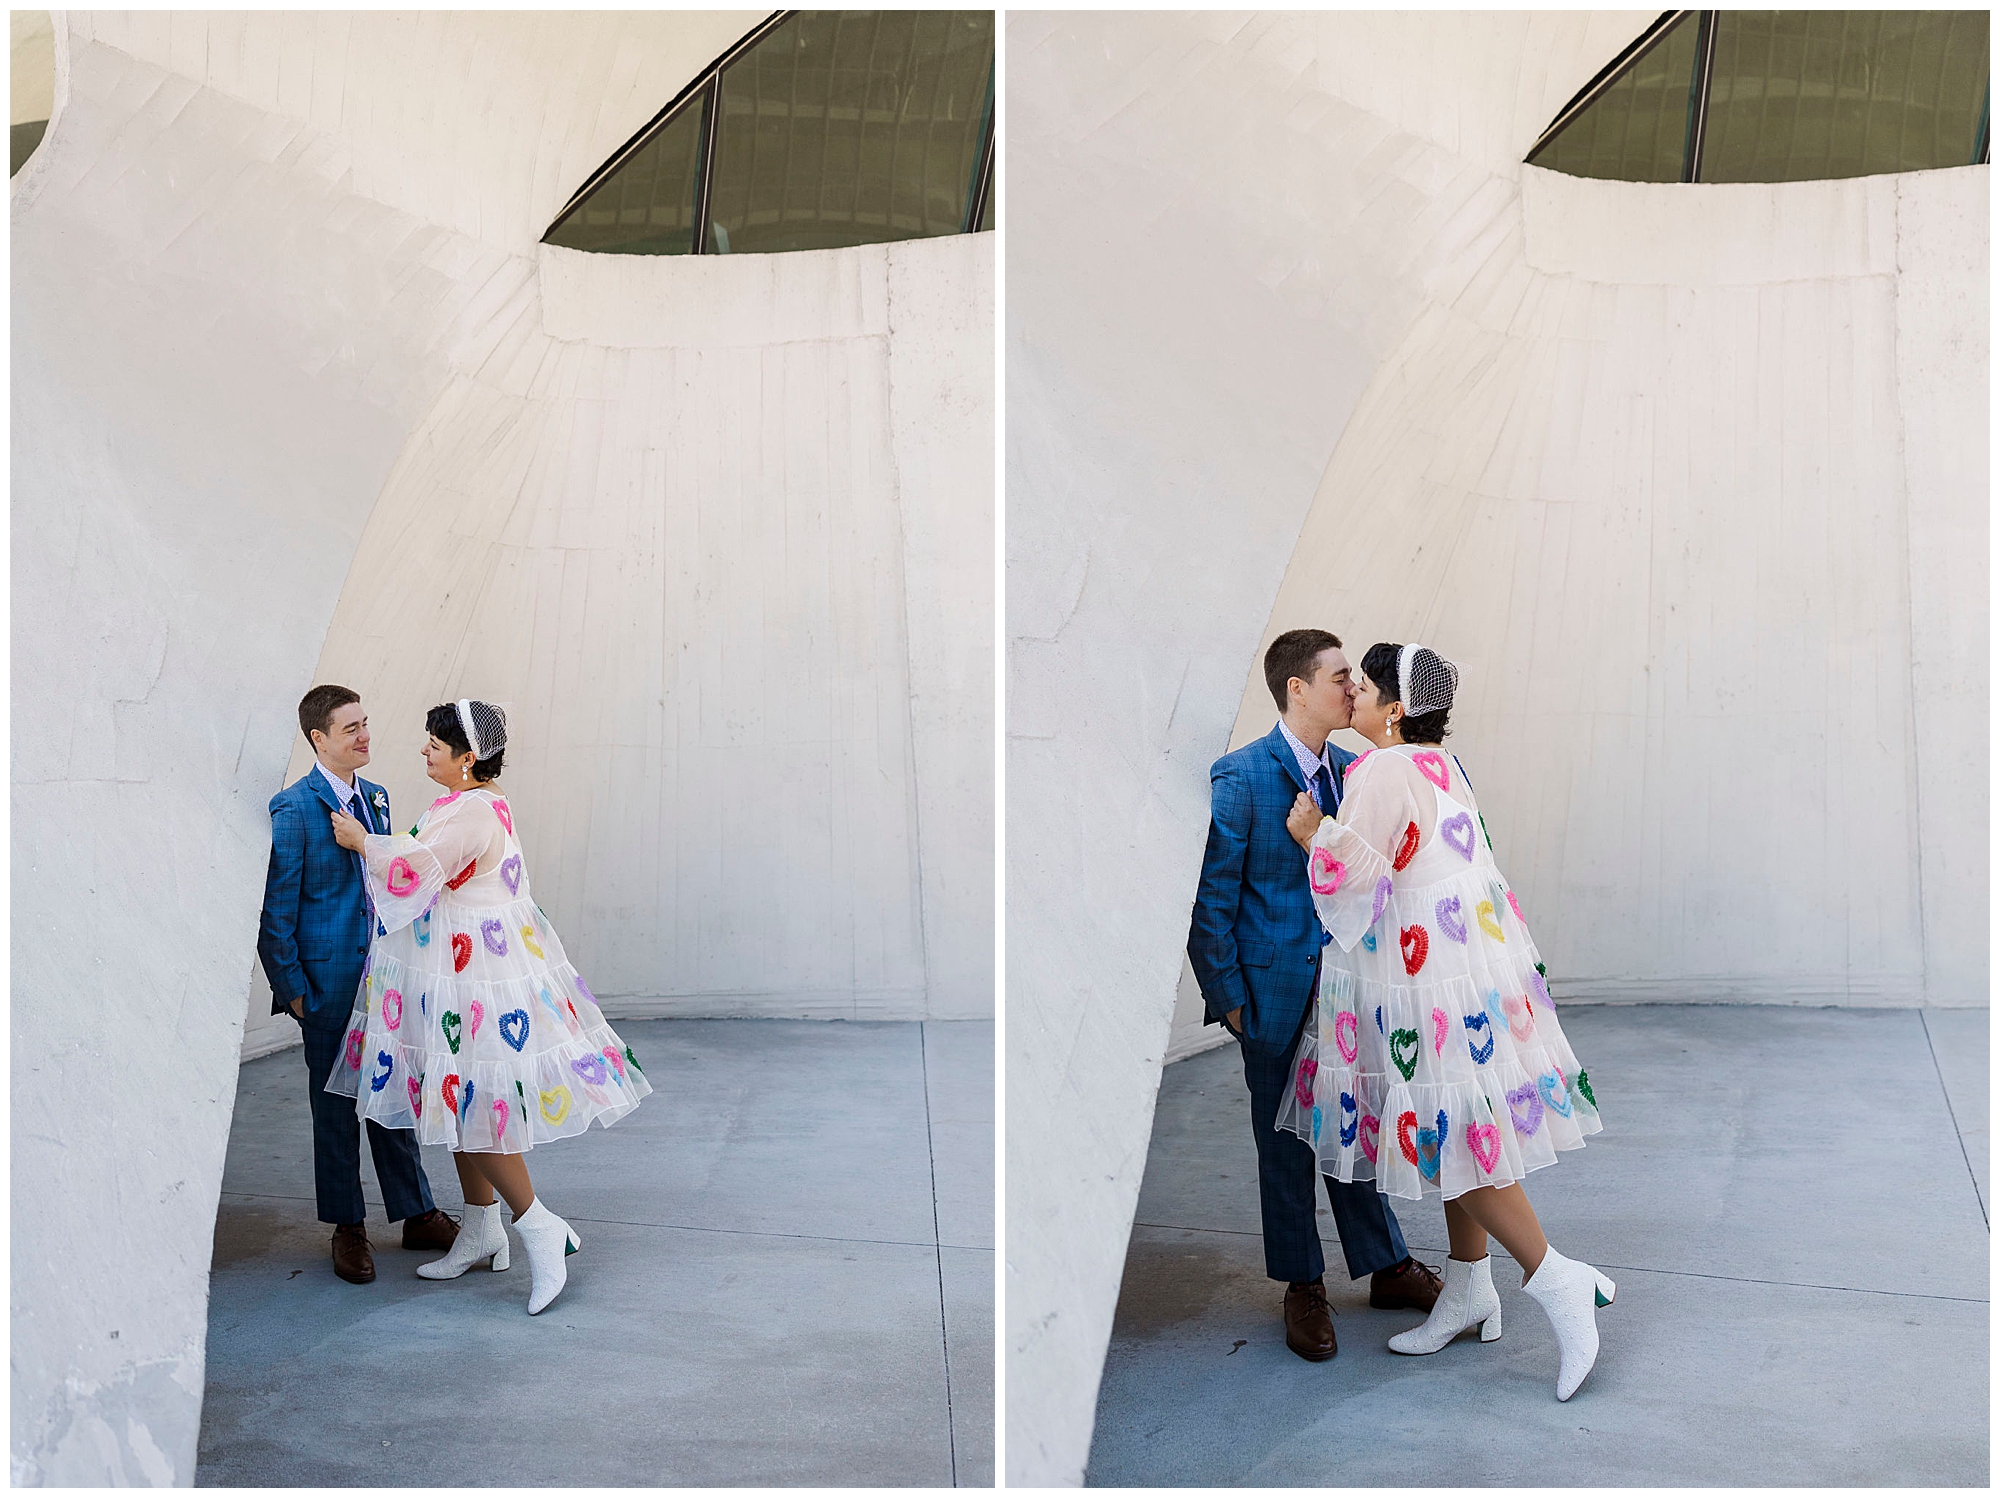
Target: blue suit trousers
x=337 y=1147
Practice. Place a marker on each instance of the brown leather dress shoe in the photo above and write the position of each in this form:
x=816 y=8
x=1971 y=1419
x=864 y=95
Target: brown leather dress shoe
x=1309 y=1322
x=351 y=1259
x=430 y=1229
x=1409 y=1286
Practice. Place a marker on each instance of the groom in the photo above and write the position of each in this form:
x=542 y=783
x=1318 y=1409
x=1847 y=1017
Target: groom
x=1255 y=948
x=313 y=942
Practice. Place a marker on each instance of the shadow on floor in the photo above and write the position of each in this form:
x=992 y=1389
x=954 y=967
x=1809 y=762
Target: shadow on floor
x=1793 y=1203
x=787 y=1280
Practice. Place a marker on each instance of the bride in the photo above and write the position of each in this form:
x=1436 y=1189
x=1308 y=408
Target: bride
x=1436 y=1061
x=471 y=1027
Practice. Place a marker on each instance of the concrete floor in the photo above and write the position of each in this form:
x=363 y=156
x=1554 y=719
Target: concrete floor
x=1802 y=1281
x=787 y=1279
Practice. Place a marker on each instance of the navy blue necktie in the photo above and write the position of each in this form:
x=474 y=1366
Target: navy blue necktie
x=1329 y=803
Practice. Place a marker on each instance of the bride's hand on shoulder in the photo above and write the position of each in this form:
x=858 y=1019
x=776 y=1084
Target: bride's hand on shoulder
x=1303 y=820
x=349 y=833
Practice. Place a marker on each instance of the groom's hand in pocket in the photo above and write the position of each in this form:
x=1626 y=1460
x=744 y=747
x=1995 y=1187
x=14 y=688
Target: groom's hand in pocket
x=1233 y=1022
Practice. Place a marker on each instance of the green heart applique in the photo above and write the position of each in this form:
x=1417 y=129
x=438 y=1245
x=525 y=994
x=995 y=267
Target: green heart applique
x=449 y=1022
x=1583 y=1086
x=1397 y=1040
x=635 y=1061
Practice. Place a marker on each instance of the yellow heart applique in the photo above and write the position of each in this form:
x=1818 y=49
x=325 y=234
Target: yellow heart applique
x=555 y=1105
x=1486 y=922
x=528 y=941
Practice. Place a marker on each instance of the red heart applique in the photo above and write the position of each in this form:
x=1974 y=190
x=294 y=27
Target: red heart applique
x=1409 y=849
x=1404 y=1142
x=461 y=951
x=465 y=874
x=1416 y=947
x=448 y=1090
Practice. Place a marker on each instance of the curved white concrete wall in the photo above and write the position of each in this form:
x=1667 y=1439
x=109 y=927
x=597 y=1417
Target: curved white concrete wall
x=1329 y=354
x=269 y=270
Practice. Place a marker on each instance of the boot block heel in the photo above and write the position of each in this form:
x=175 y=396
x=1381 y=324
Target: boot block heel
x=1489 y=1329
x=502 y=1257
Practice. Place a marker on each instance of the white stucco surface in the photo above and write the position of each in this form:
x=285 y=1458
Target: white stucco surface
x=1644 y=460
x=293 y=380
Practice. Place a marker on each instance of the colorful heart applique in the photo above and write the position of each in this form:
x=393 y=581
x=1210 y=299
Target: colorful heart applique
x=381 y=1079
x=1440 y=1028
x=1416 y=945
x=1525 y=1096
x=416 y=1095
x=1371 y=1132
x=555 y=1104
x=500 y=1115
x=514 y=1028
x=1457 y=831
x=1486 y=922
x=1493 y=1009
x=478 y=1012
x=1550 y=1083
x=1326 y=872
x=450 y=1024
x=402 y=880
x=422 y=928
x=1541 y=988
x=463 y=875
x=1481 y=1054
x=1384 y=887
x=1345 y=1036
x=528 y=941
x=1315 y=1138
x=1451 y=918
x=587 y=994
x=1302 y=1084
x=1583 y=1086
x=1515 y=906
x=1368 y=940
x=461 y=951
x=1432 y=766
x=593 y=1071
x=610 y=1053
x=353 y=1050
x=1378 y=1021
x=1484 y=1142
x=1520 y=1024
x=495 y=936
x=635 y=1061
x=465 y=1099
x=1407 y=850
x=1430 y=1147
x=506 y=817
x=510 y=873
x=1398 y=1041
x=1350 y=1120
x=448 y=1090
x=1406 y=1127
x=392 y=1009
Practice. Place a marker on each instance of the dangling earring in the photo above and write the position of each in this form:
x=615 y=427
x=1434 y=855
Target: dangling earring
x=465 y=772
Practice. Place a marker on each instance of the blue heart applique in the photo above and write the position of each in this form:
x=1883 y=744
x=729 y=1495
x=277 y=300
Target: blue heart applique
x=1495 y=1008
x=423 y=929
x=1315 y=1123
x=1368 y=940
x=1549 y=1082
x=1378 y=1021
x=465 y=1100
x=512 y=1021
x=388 y=1065
x=1430 y=1146
x=1481 y=1054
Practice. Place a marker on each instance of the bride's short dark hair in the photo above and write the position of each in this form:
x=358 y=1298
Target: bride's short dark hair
x=1379 y=666
x=442 y=724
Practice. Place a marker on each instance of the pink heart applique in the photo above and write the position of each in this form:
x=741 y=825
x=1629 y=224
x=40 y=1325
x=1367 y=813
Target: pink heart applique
x=416 y=1095
x=1440 y=1028
x=1432 y=765
x=506 y=817
x=1371 y=1129
x=478 y=1012
x=402 y=878
x=1344 y=1027
x=1302 y=1086
x=617 y=1061
x=500 y=1112
x=353 y=1049
x=1485 y=1142
x=1515 y=905
x=1519 y=1025
x=392 y=1009
x=1327 y=872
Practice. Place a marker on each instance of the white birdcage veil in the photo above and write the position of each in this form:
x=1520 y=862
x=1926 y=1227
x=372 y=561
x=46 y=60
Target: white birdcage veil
x=1425 y=680
x=485 y=727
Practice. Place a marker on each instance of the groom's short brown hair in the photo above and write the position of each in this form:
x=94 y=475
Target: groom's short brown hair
x=1293 y=653
x=316 y=708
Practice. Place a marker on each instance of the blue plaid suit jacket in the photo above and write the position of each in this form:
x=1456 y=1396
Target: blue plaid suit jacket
x=1255 y=938
x=313 y=934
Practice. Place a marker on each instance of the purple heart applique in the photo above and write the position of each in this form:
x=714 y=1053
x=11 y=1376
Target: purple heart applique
x=1450 y=919
x=1457 y=830
x=580 y=988
x=496 y=937
x=1533 y=1119
x=1383 y=887
x=592 y=1069
x=1542 y=991
x=510 y=873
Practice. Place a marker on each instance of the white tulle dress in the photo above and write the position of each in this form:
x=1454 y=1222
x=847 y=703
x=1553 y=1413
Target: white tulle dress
x=1434 y=1060
x=471 y=1026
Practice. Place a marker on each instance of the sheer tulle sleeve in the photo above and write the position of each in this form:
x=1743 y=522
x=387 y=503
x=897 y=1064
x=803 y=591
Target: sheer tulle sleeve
x=406 y=871
x=1353 y=858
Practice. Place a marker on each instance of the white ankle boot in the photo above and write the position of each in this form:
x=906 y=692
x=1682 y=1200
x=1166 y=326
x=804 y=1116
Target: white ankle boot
x=549 y=1241
x=1467 y=1299
x=1571 y=1293
x=481 y=1235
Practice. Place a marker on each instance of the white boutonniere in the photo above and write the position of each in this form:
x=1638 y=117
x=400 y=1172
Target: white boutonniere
x=382 y=802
